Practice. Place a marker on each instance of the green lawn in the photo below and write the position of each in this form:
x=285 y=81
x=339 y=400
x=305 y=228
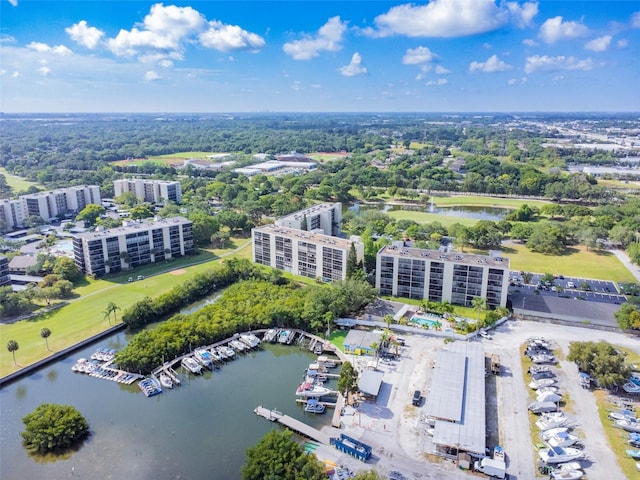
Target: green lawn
x=84 y=317
x=15 y=182
x=425 y=217
x=577 y=263
x=481 y=201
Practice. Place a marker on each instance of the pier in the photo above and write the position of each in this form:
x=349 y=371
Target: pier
x=292 y=424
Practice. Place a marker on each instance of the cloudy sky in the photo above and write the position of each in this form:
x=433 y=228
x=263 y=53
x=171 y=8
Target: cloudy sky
x=319 y=56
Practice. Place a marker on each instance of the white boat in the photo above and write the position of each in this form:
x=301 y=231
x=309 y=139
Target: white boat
x=203 y=356
x=270 y=335
x=250 y=340
x=628 y=425
x=306 y=389
x=631 y=388
x=569 y=466
x=545 y=390
x=623 y=415
x=555 y=455
x=318 y=368
x=544 y=382
x=79 y=366
x=286 y=336
x=548 y=397
x=552 y=432
x=543 y=358
x=215 y=355
x=567 y=474
x=228 y=351
x=191 y=365
x=325 y=361
x=314 y=406
x=551 y=420
x=238 y=346
x=165 y=380
x=562 y=440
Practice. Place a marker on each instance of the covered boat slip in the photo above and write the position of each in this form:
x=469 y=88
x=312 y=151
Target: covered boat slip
x=457 y=400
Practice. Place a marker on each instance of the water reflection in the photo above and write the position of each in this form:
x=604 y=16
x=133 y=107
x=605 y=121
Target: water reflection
x=494 y=214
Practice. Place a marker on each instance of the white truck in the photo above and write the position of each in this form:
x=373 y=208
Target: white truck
x=491 y=467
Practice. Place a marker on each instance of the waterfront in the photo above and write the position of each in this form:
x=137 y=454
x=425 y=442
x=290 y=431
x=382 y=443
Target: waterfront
x=202 y=427
x=494 y=214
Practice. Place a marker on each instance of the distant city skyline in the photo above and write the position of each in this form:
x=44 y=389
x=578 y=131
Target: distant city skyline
x=319 y=56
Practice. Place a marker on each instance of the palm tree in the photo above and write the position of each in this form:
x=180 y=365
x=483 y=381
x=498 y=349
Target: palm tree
x=125 y=257
x=112 y=308
x=12 y=346
x=388 y=319
x=44 y=333
x=479 y=304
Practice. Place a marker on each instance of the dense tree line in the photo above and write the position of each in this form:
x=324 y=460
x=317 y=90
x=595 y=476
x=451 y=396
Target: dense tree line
x=246 y=305
x=601 y=360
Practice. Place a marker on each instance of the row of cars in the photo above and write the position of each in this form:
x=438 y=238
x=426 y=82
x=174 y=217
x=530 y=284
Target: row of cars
x=558 y=447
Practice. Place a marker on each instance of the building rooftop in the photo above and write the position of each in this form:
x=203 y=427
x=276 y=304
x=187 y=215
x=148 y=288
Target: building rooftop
x=303 y=235
x=370 y=382
x=313 y=210
x=132 y=226
x=466 y=258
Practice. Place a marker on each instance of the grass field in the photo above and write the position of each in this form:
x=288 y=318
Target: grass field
x=481 y=201
x=17 y=183
x=577 y=263
x=426 y=217
x=327 y=156
x=84 y=317
x=169 y=159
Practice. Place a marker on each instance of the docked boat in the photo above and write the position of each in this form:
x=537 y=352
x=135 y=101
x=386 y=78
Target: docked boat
x=554 y=455
x=307 y=389
x=628 y=425
x=270 y=335
x=567 y=474
x=543 y=358
x=314 y=406
x=544 y=382
x=286 y=336
x=215 y=355
x=238 y=346
x=548 y=397
x=564 y=439
x=546 y=435
x=191 y=365
x=165 y=380
x=228 y=351
x=635 y=454
x=80 y=365
x=250 y=340
x=150 y=387
x=203 y=356
x=325 y=361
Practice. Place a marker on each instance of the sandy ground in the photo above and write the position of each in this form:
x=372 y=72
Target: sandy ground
x=397 y=432
x=180 y=271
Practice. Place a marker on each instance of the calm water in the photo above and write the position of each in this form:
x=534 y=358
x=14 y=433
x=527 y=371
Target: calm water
x=477 y=213
x=199 y=430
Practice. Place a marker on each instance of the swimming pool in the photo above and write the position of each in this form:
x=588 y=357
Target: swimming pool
x=425 y=322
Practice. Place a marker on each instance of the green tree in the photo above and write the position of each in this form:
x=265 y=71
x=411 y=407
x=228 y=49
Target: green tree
x=45 y=333
x=204 y=227
x=348 y=380
x=352 y=261
x=479 y=304
x=601 y=360
x=13 y=347
x=628 y=316
x=67 y=269
x=368 y=475
x=127 y=198
x=90 y=214
x=634 y=252
x=278 y=456
x=52 y=428
x=140 y=212
x=547 y=238
x=112 y=308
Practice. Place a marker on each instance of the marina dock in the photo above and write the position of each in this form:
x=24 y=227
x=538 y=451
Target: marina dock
x=293 y=424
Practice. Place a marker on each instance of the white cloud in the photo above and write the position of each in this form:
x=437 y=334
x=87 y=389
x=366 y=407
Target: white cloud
x=523 y=14
x=449 y=18
x=328 y=38
x=13 y=2
x=165 y=63
x=229 y=37
x=44 y=71
x=86 y=36
x=529 y=42
x=599 y=44
x=4 y=38
x=545 y=62
x=438 y=83
x=635 y=20
x=151 y=76
x=297 y=86
x=517 y=81
x=44 y=48
x=414 y=56
x=554 y=29
x=15 y=74
x=493 y=64
x=440 y=70
x=624 y=43
x=354 y=68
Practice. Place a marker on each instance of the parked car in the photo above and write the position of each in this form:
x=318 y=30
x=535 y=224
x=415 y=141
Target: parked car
x=571 y=285
x=486 y=335
x=417 y=397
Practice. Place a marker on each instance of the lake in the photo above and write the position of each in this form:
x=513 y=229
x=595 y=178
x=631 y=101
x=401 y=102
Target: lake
x=494 y=214
x=198 y=430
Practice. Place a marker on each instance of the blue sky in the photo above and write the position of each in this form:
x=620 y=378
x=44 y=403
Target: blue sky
x=319 y=56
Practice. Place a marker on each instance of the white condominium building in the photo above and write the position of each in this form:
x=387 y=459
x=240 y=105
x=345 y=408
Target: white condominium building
x=135 y=243
x=308 y=254
x=452 y=277
x=12 y=213
x=326 y=217
x=153 y=191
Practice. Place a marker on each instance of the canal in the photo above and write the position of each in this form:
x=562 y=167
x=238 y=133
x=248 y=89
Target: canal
x=198 y=430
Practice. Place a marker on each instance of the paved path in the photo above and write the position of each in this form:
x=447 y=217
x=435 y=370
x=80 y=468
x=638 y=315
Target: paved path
x=624 y=258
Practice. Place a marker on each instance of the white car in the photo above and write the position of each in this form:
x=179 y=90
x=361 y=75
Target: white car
x=571 y=285
x=486 y=335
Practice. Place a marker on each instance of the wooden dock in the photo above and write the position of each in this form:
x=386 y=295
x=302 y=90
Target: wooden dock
x=293 y=424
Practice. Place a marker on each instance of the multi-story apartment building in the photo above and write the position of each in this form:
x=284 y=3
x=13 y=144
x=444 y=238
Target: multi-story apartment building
x=324 y=216
x=59 y=203
x=453 y=277
x=135 y=243
x=5 y=279
x=304 y=253
x=153 y=191
x=12 y=214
